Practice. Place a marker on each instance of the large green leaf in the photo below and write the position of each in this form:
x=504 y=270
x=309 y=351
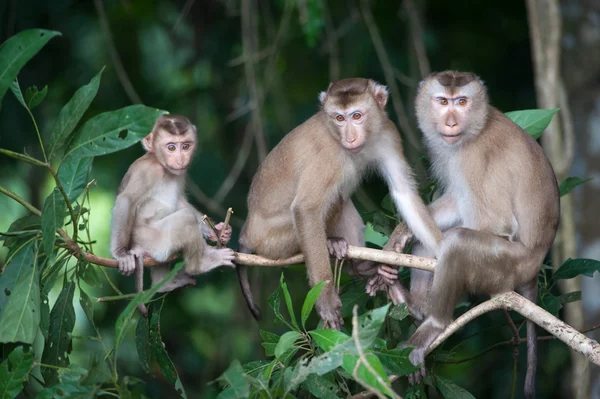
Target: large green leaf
x=73 y=175
x=311 y=299
x=533 y=121
x=396 y=361
x=21 y=316
x=288 y=302
x=450 y=390
x=575 y=267
x=142 y=343
x=327 y=339
x=14 y=371
x=354 y=295
x=18 y=266
x=113 y=131
x=62 y=321
x=17 y=51
x=367 y=376
x=160 y=353
x=275 y=302
x=236 y=381
x=375 y=237
x=27 y=225
x=53 y=216
x=71 y=113
x=567 y=185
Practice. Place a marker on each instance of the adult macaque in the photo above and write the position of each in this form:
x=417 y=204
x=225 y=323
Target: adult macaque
x=299 y=199
x=152 y=217
x=499 y=210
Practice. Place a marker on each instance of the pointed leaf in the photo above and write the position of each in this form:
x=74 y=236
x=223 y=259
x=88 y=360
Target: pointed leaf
x=396 y=361
x=71 y=114
x=14 y=371
x=34 y=97
x=29 y=222
x=450 y=390
x=16 y=90
x=575 y=267
x=73 y=175
x=86 y=305
x=327 y=339
x=288 y=302
x=374 y=237
x=570 y=183
x=354 y=295
x=275 y=303
x=19 y=265
x=113 y=131
x=17 y=51
x=533 y=121
x=286 y=341
x=237 y=382
x=311 y=299
x=366 y=375
x=320 y=387
x=160 y=353
x=570 y=297
x=399 y=312
x=53 y=216
x=21 y=315
x=142 y=343
x=58 y=345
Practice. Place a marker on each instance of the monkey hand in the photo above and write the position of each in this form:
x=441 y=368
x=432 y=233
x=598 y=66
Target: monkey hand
x=337 y=247
x=398 y=239
x=376 y=283
x=224 y=235
x=328 y=306
x=127 y=262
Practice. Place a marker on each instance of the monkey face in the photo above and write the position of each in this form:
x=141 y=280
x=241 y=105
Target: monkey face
x=175 y=152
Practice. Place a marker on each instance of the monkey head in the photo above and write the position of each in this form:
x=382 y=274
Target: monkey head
x=451 y=106
x=355 y=109
x=173 y=141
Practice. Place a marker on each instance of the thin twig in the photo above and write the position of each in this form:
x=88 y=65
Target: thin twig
x=416 y=33
x=114 y=55
x=240 y=162
x=21 y=201
x=225 y=226
x=183 y=14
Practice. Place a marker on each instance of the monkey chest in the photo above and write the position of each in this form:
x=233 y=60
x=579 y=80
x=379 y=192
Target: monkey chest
x=164 y=200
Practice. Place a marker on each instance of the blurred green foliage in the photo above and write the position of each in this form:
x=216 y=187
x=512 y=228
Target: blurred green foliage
x=188 y=57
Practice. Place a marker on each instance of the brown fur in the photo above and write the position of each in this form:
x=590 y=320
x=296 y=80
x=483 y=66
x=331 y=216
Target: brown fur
x=300 y=195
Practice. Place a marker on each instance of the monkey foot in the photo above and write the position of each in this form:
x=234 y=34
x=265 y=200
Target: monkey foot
x=417 y=357
x=181 y=280
x=337 y=247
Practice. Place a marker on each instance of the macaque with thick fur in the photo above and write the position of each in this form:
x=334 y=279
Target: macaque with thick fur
x=499 y=210
x=152 y=216
x=299 y=200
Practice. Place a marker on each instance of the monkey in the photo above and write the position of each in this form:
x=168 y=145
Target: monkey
x=499 y=209
x=151 y=216
x=299 y=198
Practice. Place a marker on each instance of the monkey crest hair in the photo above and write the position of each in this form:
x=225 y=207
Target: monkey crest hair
x=350 y=91
x=174 y=124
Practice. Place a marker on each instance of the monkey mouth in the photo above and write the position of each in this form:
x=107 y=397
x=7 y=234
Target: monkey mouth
x=355 y=150
x=451 y=138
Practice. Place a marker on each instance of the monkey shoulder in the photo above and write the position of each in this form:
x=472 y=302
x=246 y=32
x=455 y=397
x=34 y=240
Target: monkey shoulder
x=145 y=173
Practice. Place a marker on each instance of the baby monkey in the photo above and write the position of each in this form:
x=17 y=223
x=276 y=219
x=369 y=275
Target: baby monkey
x=152 y=217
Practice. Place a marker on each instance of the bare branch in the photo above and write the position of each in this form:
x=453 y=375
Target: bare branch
x=416 y=33
x=238 y=166
x=114 y=55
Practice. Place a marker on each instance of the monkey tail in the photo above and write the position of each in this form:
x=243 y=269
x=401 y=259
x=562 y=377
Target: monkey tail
x=530 y=292
x=242 y=272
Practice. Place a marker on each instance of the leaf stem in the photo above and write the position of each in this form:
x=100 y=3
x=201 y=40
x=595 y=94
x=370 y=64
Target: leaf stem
x=37 y=130
x=20 y=200
x=65 y=196
x=22 y=157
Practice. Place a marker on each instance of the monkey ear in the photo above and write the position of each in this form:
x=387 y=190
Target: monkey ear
x=380 y=92
x=322 y=97
x=147 y=142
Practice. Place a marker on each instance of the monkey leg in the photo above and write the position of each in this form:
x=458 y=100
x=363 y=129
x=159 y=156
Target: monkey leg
x=182 y=279
x=313 y=242
x=470 y=261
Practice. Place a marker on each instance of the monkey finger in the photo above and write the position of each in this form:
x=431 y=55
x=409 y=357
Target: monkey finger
x=388 y=273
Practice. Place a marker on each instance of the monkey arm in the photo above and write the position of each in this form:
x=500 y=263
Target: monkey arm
x=122 y=225
x=445 y=212
x=401 y=184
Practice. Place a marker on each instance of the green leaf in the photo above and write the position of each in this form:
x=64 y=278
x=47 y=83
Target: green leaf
x=14 y=371
x=570 y=183
x=269 y=336
x=73 y=175
x=66 y=390
x=399 y=312
x=21 y=315
x=237 y=382
x=113 y=131
x=288 y=355
x=142 y=343
x=570 y=297
x=533 y=121
x=450 y=390
x=71 y=113
x=374 y=237
x=311 y=299
x=62 y=321
x=275 y=302
x=33 y=97
x=125 y=319
x=369 y=325
x=575 y=267
x=354 y=295
x=16 y=90
x=551 y=304
x=366 y=375
x=17 y=51
x=17 y=267
x=327 y=339
x=286 y=341
x=53 y=216
x=29 y=222
x=87 y=305
x=288 y=302
x=320 y=387
x=396 y=361
x=160 y=353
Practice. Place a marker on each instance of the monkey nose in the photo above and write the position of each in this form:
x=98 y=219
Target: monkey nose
x=350 y=139
x=451 y=124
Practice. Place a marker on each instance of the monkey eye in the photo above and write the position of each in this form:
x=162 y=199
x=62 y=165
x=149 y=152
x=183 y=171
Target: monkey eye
x=356 y=116
x=185 y=146
x=339 y=118
x=171 y=147
x=443 y=101
x=462 y=101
